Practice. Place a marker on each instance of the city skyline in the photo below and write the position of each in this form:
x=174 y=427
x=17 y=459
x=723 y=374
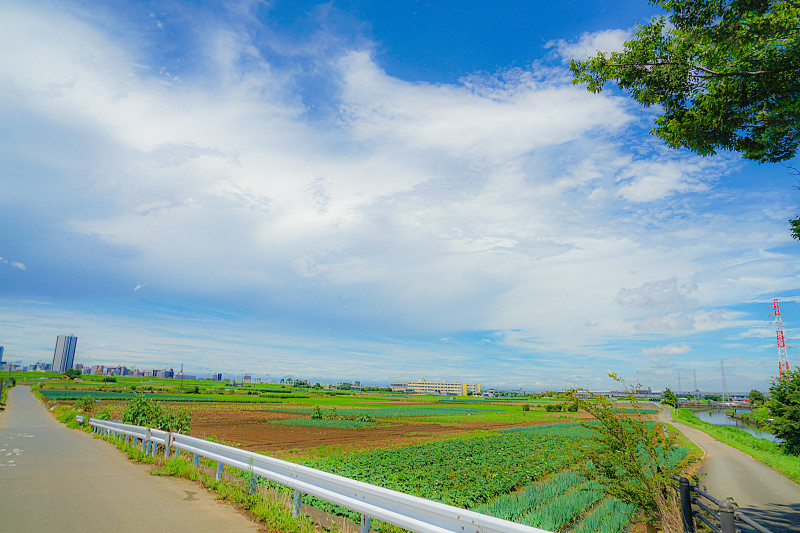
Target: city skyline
x=404 y=189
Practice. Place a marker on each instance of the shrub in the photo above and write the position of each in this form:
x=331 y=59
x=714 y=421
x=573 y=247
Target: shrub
x=317 y=413
x=84 y=404
x=573 y=407
x=526 y=407
x=104 y=414
x=553 y=407
x=142 y=411
x=109 y=379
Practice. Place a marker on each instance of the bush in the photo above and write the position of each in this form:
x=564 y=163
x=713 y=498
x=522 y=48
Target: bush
x=109 y=379
x=317 y=413
x=142 y=411
x=84 y=403
x=104 y=414
x=526 y=407
x=573 y=407
x=784 y=407
x=553 y=407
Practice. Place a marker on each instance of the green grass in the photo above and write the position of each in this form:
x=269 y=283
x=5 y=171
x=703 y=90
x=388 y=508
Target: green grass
x=766 y=451
x=325 y=423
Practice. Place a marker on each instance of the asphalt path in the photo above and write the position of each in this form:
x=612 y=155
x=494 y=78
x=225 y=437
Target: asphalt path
x=57 y=479
x=763 y=493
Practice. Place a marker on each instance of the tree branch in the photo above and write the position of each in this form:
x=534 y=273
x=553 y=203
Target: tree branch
x=713 y=73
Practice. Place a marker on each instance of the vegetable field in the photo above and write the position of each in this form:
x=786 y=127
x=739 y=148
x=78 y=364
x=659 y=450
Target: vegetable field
x=525 y=475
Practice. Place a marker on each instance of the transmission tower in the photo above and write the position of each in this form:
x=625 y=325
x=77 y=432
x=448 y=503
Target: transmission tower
x=783 y=360
x=679 y=382
x=696 y=390
x=725 y=395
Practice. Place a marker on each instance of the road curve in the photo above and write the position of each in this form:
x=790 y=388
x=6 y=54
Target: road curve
x=763 y=493
x=56 y=479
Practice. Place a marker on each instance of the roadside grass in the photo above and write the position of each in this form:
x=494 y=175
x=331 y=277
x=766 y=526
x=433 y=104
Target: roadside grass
x=767 y=452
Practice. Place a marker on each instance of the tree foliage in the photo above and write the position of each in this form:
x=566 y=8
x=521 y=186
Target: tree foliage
x=72 y=373
x=784 y=407
x=142 y=411
x=726 y=74
x=757 y=397
x=669 y=398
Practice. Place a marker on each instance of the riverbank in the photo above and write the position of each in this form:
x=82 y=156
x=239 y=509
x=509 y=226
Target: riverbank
x=765 y=451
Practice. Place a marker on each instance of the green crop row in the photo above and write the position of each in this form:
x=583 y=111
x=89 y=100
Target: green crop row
x=610 y=516
x=325 y=423
x=518 y=504
x=575 y=430
x=464 y=472
x=386 y=412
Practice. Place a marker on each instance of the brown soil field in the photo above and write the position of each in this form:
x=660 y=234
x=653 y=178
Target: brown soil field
x=248 y=426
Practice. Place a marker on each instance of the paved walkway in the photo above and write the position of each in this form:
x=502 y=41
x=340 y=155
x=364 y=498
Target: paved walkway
x=763 y=493
x=62 y=480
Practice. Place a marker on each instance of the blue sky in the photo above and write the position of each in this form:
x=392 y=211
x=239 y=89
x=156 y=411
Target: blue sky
x=375 y=191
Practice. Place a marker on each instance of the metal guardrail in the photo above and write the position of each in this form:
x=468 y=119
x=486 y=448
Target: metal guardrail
x=725 y=515
x=403 y=510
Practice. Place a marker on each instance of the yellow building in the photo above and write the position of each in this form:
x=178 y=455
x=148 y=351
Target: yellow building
x=448 y=388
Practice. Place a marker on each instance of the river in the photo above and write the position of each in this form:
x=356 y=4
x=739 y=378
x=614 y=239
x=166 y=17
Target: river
x=719 y=418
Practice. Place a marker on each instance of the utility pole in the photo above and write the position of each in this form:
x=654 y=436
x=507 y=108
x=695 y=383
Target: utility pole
x=724 y=382
x=783 y=360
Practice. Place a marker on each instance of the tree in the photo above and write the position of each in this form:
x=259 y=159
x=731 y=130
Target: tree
x=725 y=73
x=669 y=398
x=784 y=407
x=72 y=373
x=629 y=457
x=757 y=397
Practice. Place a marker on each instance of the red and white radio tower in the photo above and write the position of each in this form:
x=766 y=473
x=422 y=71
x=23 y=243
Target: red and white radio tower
x=783 y=360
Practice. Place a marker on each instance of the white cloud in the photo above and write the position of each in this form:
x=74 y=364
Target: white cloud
x=17 y=264
x=516 y=203
x=589 y=44
x=676 y=348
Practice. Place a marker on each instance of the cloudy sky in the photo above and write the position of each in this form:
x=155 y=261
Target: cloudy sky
x=375 y=191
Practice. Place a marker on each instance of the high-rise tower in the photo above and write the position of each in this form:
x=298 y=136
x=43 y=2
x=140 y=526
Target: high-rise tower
x=64 y=354
x=783 y=360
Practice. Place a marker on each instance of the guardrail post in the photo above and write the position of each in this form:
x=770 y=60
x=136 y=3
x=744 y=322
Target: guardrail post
x=127 y=438
x=219 y=470
x=253 y=483
x=167 y=444
x=686 y=505
x=196 y=460
x=365 y=523
x=726 y=519
x=146 y=441
x=298 y=499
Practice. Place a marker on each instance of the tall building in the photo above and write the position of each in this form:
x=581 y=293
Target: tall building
x=64 y=355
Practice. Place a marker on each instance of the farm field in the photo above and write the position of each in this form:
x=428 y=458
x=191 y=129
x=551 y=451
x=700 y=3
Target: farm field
x=513 y=458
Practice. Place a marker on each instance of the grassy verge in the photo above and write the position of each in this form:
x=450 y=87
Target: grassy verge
x=765 y=451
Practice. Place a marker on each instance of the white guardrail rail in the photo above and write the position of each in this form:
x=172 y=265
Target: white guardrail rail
x=404 y=510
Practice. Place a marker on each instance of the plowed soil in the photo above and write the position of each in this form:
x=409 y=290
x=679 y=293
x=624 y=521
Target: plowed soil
x=249 y=428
